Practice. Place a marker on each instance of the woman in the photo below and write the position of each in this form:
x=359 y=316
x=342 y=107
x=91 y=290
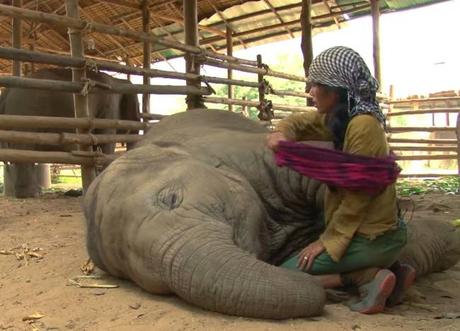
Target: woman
x=363 y=235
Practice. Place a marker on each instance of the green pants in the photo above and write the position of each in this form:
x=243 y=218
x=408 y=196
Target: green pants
x=362 y=253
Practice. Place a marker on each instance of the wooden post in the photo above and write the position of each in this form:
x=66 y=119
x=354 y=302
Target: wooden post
x=147 y=54
x=260 y=79
x=375 y=10
x=458 y=150
x=17 y=36
x=88 y=172
x=390 y=107
x=128 y=63
x=306 y=42
x=191 y=38
x=229 y=70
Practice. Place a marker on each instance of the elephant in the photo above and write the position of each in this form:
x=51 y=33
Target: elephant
x=199 y=208
x=23 y=180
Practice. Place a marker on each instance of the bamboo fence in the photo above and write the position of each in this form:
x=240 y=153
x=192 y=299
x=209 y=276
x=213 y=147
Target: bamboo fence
x=425 y=149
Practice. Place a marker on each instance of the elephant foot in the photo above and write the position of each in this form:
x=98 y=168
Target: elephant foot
x=74 y=193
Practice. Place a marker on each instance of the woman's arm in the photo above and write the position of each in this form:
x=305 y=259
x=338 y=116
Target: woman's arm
x=310 y=125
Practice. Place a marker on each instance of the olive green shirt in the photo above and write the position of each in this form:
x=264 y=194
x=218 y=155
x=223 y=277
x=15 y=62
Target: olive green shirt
x=349 y=213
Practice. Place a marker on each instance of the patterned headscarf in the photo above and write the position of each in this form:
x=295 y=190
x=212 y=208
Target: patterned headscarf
x=343 y=67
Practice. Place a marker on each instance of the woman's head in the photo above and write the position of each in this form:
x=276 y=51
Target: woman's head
x=326 y=98
x=340 y=70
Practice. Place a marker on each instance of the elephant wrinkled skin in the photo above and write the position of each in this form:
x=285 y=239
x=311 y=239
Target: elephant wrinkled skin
x=22 y=180
x=200 y=209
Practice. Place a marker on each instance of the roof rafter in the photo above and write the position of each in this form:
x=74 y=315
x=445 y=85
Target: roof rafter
x=326 y=3
x=278 y=16
x=227 y=24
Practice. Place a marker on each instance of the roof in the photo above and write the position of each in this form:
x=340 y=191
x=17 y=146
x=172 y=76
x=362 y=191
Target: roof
x=252 y=23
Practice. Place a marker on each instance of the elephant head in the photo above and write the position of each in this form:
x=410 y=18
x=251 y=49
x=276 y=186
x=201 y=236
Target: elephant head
x=172 y=223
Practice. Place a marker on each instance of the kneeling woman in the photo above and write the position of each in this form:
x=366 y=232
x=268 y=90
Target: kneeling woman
x=363 y=235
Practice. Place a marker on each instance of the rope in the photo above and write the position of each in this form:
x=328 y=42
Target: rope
x=205 y=81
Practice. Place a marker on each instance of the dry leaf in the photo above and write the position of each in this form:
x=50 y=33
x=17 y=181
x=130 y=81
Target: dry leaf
x=88 y=267
x=33 y=317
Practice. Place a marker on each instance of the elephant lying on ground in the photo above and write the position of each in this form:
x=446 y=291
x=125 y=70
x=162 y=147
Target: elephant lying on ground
x=22 y=180
x=200 y=209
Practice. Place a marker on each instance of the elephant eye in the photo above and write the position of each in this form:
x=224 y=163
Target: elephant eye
x=170 y=198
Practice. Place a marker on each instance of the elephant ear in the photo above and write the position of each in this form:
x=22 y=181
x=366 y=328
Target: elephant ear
x=129 y=107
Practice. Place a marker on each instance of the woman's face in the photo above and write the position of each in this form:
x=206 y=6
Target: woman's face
x=325 y=99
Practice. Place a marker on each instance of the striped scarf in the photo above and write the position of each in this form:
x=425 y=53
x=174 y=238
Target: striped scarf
x=339 y=169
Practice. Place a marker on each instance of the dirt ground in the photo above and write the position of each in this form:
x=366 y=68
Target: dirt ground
x=50 y=230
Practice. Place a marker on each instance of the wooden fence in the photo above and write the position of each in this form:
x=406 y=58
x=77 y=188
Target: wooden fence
x=269 y=113
x=445 y=144
x=12 y=127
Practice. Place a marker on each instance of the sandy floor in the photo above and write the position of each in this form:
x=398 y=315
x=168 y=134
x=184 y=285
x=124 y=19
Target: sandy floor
x=52 y=227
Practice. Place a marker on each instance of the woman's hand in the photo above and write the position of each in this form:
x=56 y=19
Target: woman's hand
x=273 y=140
x=308 y=255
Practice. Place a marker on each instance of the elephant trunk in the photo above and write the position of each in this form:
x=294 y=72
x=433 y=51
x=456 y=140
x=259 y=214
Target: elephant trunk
x=204 y=267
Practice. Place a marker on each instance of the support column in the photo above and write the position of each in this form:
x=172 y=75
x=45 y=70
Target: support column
x=375 y=11
x=128 y=63
x=17 y=36
x=88 y=173
x=147 y=54
x=458 y=150
x=191 y=38
x=306 y=42
x=230 y=71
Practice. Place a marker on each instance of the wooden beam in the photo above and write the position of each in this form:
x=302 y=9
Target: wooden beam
x=146 y=54
x=64 y=138
x=375 y=12
x=425 y=148
x=401 y=129
x=294 y=23
x=180 y=21
x=259 y=71
x=51 y=122
x=337 y=23
x=227 y=24
x=306 y=43
x=423 y=100
x=17 y=35
x=191 y=39
x=423 y=111
x=88 y=160
x=88 y=173
x=250 y=103
x=457 y=131
x=229 y=70
x=426 y=157
x=258 y=13
x=267 y=2
x=183 y=25
x=423 y=141
x=122 y=3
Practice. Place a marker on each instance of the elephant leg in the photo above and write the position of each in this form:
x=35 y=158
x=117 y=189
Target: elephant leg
x=432 y=246
x=21 y=180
